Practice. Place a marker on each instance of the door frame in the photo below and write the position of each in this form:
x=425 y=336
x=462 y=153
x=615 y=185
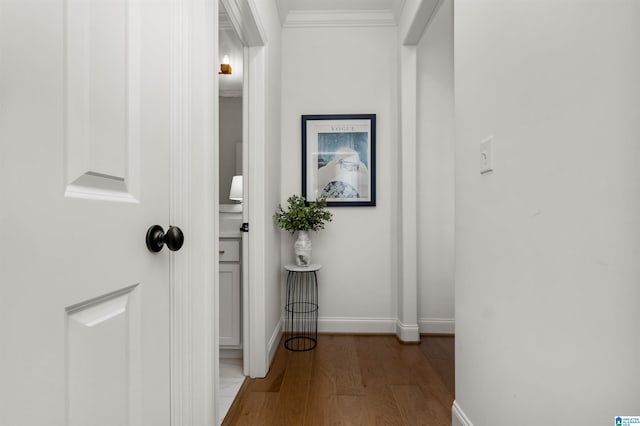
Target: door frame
x=195 y=206
x=245 y=20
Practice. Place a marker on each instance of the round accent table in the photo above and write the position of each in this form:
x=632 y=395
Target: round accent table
x=301 y=309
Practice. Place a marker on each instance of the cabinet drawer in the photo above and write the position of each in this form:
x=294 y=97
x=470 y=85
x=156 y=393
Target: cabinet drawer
x=229 y=251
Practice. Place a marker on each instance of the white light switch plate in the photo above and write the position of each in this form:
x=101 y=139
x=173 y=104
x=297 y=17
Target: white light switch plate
x=486 y=155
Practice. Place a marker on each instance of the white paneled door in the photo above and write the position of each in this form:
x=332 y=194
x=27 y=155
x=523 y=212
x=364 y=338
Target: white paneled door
x=84 y=172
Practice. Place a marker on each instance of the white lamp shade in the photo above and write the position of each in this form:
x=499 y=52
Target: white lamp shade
x=236 y=189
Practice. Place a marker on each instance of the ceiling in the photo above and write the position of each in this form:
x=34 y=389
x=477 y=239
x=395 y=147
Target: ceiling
x=304 y=12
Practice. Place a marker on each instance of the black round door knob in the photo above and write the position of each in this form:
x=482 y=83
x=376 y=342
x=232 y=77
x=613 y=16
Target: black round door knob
x=157 y=238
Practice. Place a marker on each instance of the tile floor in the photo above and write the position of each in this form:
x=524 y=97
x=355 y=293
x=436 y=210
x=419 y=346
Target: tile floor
x=231 y=379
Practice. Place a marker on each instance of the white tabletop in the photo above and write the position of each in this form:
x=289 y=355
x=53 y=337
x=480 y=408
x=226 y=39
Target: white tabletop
x=308 y=268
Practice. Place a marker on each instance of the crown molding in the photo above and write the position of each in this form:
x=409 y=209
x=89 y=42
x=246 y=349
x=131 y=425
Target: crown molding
x=339 y=18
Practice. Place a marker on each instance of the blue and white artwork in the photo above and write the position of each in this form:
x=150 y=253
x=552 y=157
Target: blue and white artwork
x=343 y=170
x=339 y=159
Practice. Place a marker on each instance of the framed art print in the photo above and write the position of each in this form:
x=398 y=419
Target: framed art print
x=339 y=159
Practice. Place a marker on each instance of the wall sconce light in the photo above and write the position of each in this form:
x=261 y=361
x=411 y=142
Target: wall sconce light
x=236 y=189
x=225 y=67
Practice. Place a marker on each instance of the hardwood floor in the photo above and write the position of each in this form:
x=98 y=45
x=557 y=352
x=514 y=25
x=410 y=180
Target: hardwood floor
x=353 y=380
x=440 y=351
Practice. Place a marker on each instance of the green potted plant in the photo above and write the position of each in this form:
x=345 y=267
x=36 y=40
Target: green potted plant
x=303 y=217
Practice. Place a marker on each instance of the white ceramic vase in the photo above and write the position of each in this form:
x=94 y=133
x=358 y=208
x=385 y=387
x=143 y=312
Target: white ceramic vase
x=302 y=248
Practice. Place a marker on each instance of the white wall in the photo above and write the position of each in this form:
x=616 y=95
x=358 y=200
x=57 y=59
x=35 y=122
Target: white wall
x=547 y=246
x=341 y=71
x=230 y=130
x=435 y=174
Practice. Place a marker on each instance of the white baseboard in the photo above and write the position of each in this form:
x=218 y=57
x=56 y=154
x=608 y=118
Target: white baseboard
x=274 y=341
x=356 y=325
x=458 y=417
x=407 y=333
x=385 y=325
x=437 y=325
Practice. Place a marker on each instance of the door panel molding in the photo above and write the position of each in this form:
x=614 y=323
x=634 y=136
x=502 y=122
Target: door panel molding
x=91 y=358
x=102 y=100
x=79 y=346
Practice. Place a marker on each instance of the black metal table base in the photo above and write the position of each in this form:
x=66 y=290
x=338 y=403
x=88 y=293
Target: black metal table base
x=301 y=310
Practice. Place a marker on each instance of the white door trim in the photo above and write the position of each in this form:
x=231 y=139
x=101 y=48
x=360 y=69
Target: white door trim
x=194 y=207
x=194 y=203
x=244 y=18
x=243 y=15
x=410 y=34
x=255 y=309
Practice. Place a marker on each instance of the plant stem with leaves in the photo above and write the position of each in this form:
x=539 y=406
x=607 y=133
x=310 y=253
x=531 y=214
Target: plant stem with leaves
x=303 y=217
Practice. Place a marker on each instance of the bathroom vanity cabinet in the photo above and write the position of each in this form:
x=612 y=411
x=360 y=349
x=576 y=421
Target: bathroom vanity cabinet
x=230 y=294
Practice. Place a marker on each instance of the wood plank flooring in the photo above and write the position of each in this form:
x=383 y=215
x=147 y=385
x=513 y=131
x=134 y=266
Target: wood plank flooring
x=440 y=351
x=353 y=380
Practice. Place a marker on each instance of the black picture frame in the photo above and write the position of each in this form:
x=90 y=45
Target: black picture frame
x=339 y=159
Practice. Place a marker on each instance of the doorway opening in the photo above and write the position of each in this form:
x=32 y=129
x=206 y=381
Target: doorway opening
x=231 y=200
